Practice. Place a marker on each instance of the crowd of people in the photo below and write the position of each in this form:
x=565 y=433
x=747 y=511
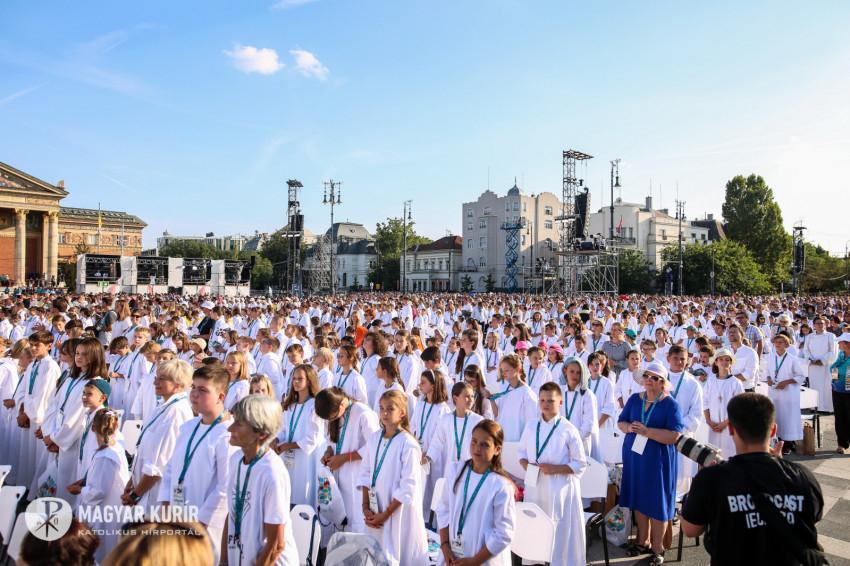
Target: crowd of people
x=356 y=405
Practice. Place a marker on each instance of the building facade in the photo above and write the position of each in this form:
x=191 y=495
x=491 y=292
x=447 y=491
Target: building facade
x=354 y=258
x=231 y=243
x=98 y=231
x=485 y=242
x=641 y=227
x=435 y=266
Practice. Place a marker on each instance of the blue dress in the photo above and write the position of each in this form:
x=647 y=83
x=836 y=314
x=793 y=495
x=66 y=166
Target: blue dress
x=649 y=479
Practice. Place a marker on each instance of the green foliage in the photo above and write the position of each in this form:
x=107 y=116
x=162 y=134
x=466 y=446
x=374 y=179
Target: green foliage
x=465 y=284
x=191 y=248
x=754 y=219
x=490 y=283
x=735 y=269
x=636 y=274
x=389 y=238
x=276 y=249
x=67 y=272
x=262 y=276
x=823 y=273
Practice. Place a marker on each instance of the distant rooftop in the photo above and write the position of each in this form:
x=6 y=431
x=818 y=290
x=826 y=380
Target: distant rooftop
x=92 y=213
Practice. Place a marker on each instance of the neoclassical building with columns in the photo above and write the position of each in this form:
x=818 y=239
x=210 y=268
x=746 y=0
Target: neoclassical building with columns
x=33 y=225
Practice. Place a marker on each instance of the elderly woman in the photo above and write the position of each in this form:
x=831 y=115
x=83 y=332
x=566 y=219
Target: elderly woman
x=652 y=423
x=159 y=432
x=258 y=528
x=841 y=393
x=617 y=348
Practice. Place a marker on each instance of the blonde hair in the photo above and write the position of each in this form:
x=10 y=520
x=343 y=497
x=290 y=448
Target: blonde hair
x=185 y=543
x=243 y=365
x=325 y=355
x=178 y=371
x=265 y=381
x=398 y=399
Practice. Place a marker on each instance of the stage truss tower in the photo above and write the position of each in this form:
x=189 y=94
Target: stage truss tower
x=292 y=280
x=512 y=230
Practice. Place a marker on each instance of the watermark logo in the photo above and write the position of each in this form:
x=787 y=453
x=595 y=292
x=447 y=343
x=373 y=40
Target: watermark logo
x=48 y=518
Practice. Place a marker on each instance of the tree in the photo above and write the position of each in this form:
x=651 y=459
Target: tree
x=735 y=268
x=389 y=240
x=81 y=249
x=190 y=248
x=490 y=283
x=262 y=275
x=823 y=273
x=465 y=284
x=636 y=274
x=754 y=219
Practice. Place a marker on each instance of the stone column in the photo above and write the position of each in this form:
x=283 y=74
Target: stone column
x=44 y=268
x=53 y=246
x=20 y=246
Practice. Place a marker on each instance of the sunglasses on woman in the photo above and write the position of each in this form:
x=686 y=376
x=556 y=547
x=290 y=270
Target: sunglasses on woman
x=655 y=378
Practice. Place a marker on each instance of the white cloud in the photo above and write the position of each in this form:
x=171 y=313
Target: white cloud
x=284 y=4
x=250 y=59
x=309 y=65
x=19 y=94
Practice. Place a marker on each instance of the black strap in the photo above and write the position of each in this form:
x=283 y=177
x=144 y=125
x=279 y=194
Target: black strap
x=770 y=514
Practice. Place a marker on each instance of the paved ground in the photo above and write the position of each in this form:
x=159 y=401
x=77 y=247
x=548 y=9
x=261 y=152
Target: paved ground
x=833 y=473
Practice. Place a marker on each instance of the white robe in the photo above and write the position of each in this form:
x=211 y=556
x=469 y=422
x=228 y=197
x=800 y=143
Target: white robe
x=450 y=432
x=308 y=432
x=34 y=399
x=119 y=385
x=538 y=376
x=266 y=502
x=824 y=348
x=236 y=391
x=205 y=480
x=361 y=423
x=423 y=423
x=9 y=431
x=559 y=495
x=626 y=386
x=139 y=368
x=159 y=437
x=581 y=410
x=402 y=537
x=370 y=377
x=490 y=519
x=270 y=366
x=716 y=396
x=104 y=487
x=68 y=427
x=353 y=384
x=517 y=407
x=787 y=400
x=689 y=397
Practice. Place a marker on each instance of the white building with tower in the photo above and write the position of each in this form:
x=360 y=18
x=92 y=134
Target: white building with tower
x=484 y=240
x=435 y=266
x=641 y=227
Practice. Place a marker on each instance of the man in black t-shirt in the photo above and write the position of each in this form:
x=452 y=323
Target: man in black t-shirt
x=740 y=504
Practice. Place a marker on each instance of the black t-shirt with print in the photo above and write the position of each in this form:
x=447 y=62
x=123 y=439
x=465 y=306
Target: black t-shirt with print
x=721 y=499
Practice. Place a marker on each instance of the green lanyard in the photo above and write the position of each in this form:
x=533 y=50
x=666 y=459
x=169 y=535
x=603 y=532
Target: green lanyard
x=380 y=464
x=679 y=385
x=343 y=381
x=573 y=404
x=70 y=390
x=33 y=373
x=491 y=355
x=531 y=376
x=239 y=503
x=423 y=420
x=595 y=342
x=343 y=429
x=117 y=364
x=464 y=508
x=459 y=441
x=540 y=449
x=190 y=452
x=89 y=419
x=644 y=415
x=596 y=383
x=156 y=416
x=507 y=390
x=778 y=366
x=293 y=421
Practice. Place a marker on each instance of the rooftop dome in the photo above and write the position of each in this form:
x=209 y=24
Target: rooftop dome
x=515 y=191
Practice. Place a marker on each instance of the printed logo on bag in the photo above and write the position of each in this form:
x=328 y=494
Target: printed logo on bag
x=48 y=518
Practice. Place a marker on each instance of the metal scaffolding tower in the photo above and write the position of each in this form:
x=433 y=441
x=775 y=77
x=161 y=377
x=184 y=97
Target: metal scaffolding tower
x=318 y=278
x=567 y=281
x=291 y=279
x=593 y=272
x=511 y=246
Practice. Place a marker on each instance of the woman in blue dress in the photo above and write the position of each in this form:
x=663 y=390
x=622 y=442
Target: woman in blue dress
x=652 y=423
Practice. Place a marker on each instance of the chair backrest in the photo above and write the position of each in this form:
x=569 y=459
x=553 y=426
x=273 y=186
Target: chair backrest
x=611 y=445
x=17 y=538
x=534 y=533
x=510 y=460
x=10 y=496
x=439 y=485
x=594 y=480
x=131 y=430
x=4 y=471
x=808 y=398
x=306 y=532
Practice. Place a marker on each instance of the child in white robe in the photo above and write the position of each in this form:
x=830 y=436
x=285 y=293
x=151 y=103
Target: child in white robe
x=476 y=515
x=602 y=386
x=9 y=380
x=538 y=373
x=716 y=395
x=144 y=399
x=579 y=405
x=429 y=408
x=391 y=485
x=348 y=378
x=258 y=488
x=516 y=403
x=451 y=437
x=119 y=369
x=349 y=425
x=389 y=373
x=629 y=381
x=302 y=434
x=785 y=374
x=20 y=357
x=240 y=384
x=197 y=472
x=322 y=361
x=553 y=454
x=104 y=481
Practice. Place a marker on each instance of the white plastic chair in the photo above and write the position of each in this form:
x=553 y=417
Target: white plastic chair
x=17 y=538
x=4 y=471
x=435 y=501
x=510 y=460
x=594 y=486
x=809 y=402
x=534 y=534
x=611 y=444
x=306 y=532
x=131 y=430
x=10 y=496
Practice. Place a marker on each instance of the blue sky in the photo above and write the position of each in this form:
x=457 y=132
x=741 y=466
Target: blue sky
x=192 y=115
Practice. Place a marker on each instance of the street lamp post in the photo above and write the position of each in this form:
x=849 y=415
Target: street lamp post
x=333 y=196
x=405 y=217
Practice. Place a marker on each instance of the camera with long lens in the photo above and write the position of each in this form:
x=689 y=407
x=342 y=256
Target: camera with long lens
x=702 y=454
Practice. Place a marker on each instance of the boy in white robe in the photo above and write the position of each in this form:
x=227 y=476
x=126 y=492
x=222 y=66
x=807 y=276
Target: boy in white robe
x=688 y=393
x=552 y=452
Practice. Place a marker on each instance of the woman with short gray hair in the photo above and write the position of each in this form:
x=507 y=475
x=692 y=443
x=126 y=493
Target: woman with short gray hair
x=259 y=532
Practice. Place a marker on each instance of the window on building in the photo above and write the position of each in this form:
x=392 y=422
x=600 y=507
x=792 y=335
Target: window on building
x=482 y=223
x=488 y=211
x=91 y=239
x=507 y=206
x=482 y=262
x=482 y=242
x=470 y=213
x=702 y=236
x=547 y=224
x=409 y=265
x=631 y=232
x=469 y=242
x=693 y=235
x=516 y=205
x=523 y=239
x=63 y=238
x=121 y=241
x=440 y=263
x=547 y=210
x=663 y=234
x=469 y=225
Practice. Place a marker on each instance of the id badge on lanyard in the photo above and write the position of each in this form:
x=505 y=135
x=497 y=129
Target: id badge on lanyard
x=289 y=459
x=373 y=501
x=178 y=495
x=457 y=545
